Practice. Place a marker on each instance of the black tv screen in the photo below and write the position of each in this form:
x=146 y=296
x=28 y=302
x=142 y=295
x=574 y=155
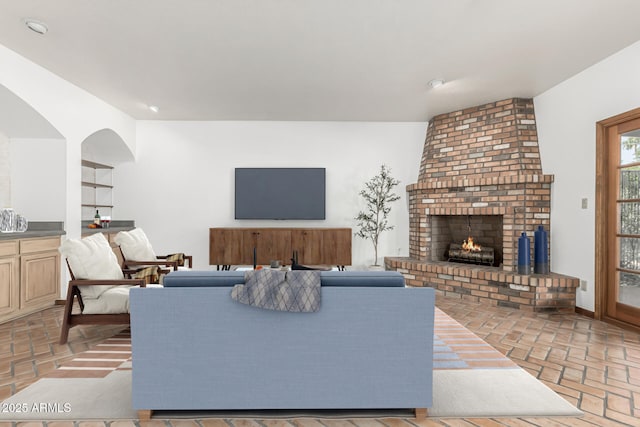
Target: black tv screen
x=280 y=193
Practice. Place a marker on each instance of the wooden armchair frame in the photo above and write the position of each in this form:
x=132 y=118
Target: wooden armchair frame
x=130 y=266
x=71 y=319
x=188 y=259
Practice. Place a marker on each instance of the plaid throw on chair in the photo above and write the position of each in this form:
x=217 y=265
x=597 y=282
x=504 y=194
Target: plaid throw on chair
x=293 y=291
x=177 y=257
x=150 y=274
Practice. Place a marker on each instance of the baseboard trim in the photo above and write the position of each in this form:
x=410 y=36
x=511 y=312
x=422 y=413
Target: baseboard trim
x=585 y=312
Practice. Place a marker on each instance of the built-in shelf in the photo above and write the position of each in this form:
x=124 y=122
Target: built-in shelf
x=96 y=206
x=97 y=179
x=95 y=185
x=94 y=165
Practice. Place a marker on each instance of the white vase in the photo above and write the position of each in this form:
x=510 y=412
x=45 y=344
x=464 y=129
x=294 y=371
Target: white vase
x=21 y=224
x=8 y=220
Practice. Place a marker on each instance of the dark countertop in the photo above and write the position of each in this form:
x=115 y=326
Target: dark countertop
x=37 y=229
x=114 y=227
x=56 y=228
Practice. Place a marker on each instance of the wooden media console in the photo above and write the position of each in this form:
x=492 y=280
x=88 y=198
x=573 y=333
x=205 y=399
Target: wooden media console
x=314 y=246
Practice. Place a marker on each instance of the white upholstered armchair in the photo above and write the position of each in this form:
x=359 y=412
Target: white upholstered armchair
x=97 y=283
x=137 y=251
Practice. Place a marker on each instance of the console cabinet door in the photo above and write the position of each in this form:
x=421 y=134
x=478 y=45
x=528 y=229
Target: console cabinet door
x=9 y=291
x=271 y=245
x=39 y=272
x=338 y=245
x=226 y=247
x=309 y=245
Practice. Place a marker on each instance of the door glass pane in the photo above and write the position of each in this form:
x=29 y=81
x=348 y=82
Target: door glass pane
x=629 y=253
x=629 y=289
x=630 y=148
x=630 y=183
x=630 y=218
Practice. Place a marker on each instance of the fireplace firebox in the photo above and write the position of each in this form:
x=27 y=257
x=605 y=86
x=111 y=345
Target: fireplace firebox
x=450 y=234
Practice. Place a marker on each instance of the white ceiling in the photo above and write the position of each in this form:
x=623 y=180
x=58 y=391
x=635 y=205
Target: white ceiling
x=366 y=60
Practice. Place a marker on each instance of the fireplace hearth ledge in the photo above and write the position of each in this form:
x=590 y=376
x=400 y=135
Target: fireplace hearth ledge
x=536 y=292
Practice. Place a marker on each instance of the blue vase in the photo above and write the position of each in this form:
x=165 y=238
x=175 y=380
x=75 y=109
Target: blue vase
x=541 y=252
x=524 y=254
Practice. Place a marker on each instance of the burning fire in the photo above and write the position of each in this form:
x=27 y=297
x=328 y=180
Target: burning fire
x=469 y=246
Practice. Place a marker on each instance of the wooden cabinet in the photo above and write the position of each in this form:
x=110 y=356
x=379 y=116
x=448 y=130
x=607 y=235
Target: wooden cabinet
x=39 y=272
x=309 y=244
x=9 y=279
x=336 y=246
x=271 y=244
x=330 y=246
x=226 y=246
x=29 y=275
x=315 y=246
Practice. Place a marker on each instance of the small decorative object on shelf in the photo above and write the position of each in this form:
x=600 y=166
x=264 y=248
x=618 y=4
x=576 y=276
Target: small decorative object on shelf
x=96 y=218
x=524 y=254
x=541 y=253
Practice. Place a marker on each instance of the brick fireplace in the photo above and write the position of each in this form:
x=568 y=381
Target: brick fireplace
x=481 y=176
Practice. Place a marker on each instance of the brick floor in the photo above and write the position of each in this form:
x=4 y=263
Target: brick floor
x=593 y=365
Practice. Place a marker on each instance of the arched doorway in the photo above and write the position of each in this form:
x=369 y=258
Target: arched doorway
x=32 y=155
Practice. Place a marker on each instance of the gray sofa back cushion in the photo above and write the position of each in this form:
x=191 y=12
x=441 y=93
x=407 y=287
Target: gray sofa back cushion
x=378 y=279
x=196 y=279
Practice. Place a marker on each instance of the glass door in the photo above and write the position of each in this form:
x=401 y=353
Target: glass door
x=623 y=287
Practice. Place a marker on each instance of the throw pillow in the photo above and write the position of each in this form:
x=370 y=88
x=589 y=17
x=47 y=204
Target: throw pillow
x=92 y=258
x=135 y=245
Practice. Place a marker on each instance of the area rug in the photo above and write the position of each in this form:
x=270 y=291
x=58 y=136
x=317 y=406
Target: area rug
x=471 y=380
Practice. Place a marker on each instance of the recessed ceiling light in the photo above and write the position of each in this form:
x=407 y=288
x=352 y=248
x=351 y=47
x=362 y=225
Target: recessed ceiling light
x=36 y=26
x=154 y=108
x=436 y=83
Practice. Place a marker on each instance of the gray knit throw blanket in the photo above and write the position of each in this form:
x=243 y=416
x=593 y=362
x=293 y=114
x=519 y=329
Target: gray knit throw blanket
x=294 y=291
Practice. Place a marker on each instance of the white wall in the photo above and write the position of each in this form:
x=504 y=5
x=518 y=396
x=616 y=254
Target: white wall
x=566 y=116
x=38 y=178
x=73 y=112
x=182 y=181
x=5 y=172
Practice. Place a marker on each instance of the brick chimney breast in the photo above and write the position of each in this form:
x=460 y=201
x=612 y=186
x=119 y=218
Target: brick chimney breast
x=492 y=140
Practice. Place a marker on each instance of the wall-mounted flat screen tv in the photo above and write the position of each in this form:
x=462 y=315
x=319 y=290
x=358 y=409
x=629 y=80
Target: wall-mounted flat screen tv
x=280 y=193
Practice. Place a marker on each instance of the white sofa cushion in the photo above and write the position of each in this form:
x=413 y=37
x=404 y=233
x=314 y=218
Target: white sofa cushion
x=92 y=258
x=135 y=245
x=112 y=301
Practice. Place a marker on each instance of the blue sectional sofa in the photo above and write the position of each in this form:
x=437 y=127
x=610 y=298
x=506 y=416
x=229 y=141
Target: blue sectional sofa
x=370 y=346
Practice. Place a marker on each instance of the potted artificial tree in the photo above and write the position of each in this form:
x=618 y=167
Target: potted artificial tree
x=378 y=195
